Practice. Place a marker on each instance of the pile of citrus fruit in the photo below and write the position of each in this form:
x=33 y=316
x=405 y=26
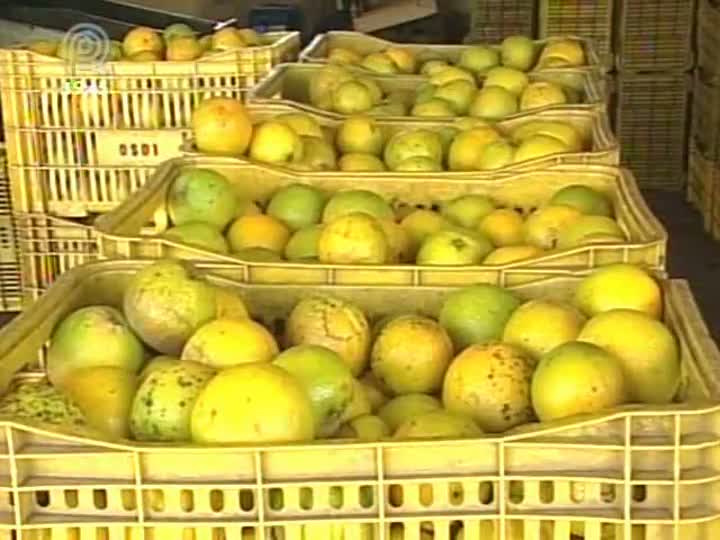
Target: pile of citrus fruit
x=516 y=52
x=301 y=223
x=487 y=361
x=177 y=42
x=362 y=144
x=449 y=91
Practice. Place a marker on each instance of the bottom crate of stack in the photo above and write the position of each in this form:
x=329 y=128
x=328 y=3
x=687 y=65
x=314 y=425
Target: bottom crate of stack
x=651 y=125
x=633 y=473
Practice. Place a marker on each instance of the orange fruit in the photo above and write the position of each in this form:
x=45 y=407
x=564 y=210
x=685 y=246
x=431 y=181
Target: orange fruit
x=258 y=230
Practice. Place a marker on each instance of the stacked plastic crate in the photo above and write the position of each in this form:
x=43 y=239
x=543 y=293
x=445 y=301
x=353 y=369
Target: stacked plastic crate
x=704 y=144
x=654 y=60
x=82 y=136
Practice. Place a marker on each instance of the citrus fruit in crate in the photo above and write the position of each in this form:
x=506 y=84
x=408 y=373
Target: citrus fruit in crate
x=479 y=58
x=326 y=378
x=542 y=94
x=497 y=361
x=275 y=142
x=221 y=126
x=468 y=210
x=223 y=343
x=355 y=238
x=360 y=134
x=540 y=325
x=576 y=378
x=163 y=404
x=258 y=231
x=453 y=246
x=648 y=353
x=402 y=408
x=356 y=201
x=411 y=355
x=587 y=200
x=272 y=406
x=92 y=336
x=303 y=244
x=198 y=234
x=302 y=124
x=165 y=304
x=491 y=384
x=104 y=395
x=333 y=323
x=438 y=424
x=297 y=206
x=477 y=314
x=201 y=195
x=619 y=286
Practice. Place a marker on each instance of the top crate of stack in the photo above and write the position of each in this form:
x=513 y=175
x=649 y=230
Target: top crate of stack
x=591 y=19
x=656 y=36
x=494 y=20
x=79 y=134
x=42 y=91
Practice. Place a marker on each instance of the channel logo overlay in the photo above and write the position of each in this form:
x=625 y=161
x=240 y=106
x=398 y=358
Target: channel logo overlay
x=87 y=45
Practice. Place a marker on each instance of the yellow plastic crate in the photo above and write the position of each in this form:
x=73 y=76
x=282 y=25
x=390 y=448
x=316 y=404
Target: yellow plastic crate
x=78 y=135
x=593 y=126
x=10 y=290
x=45 y=92
x=642 y=473
x=592 y=19
x=81 y=171
x=48 y=247
x=127 y=231
x=290 y=84
x=316 y=52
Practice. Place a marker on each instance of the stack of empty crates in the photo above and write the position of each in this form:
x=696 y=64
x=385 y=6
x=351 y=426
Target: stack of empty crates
x=654 y=59
x=493 y=20
x=704 y=144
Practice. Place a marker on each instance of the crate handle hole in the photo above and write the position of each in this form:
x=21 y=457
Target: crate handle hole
x=367 y=496
x=607 y=493
x=217 y=500
x=577 y=492
x=129 y=501
x=487 y=492
x=276 y=499
x=187 y=500
x=247 y=500
x=426 y=495
x=336 y=497
x=517 y=492
x=639 y=493
x=396 y=495
x=100 y=499
x=456 y=493
x=547 y=492
x=71 y=498
x=306 y=498
x=42 y=498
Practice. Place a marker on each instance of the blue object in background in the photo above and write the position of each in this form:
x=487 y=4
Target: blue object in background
x=276 y=17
